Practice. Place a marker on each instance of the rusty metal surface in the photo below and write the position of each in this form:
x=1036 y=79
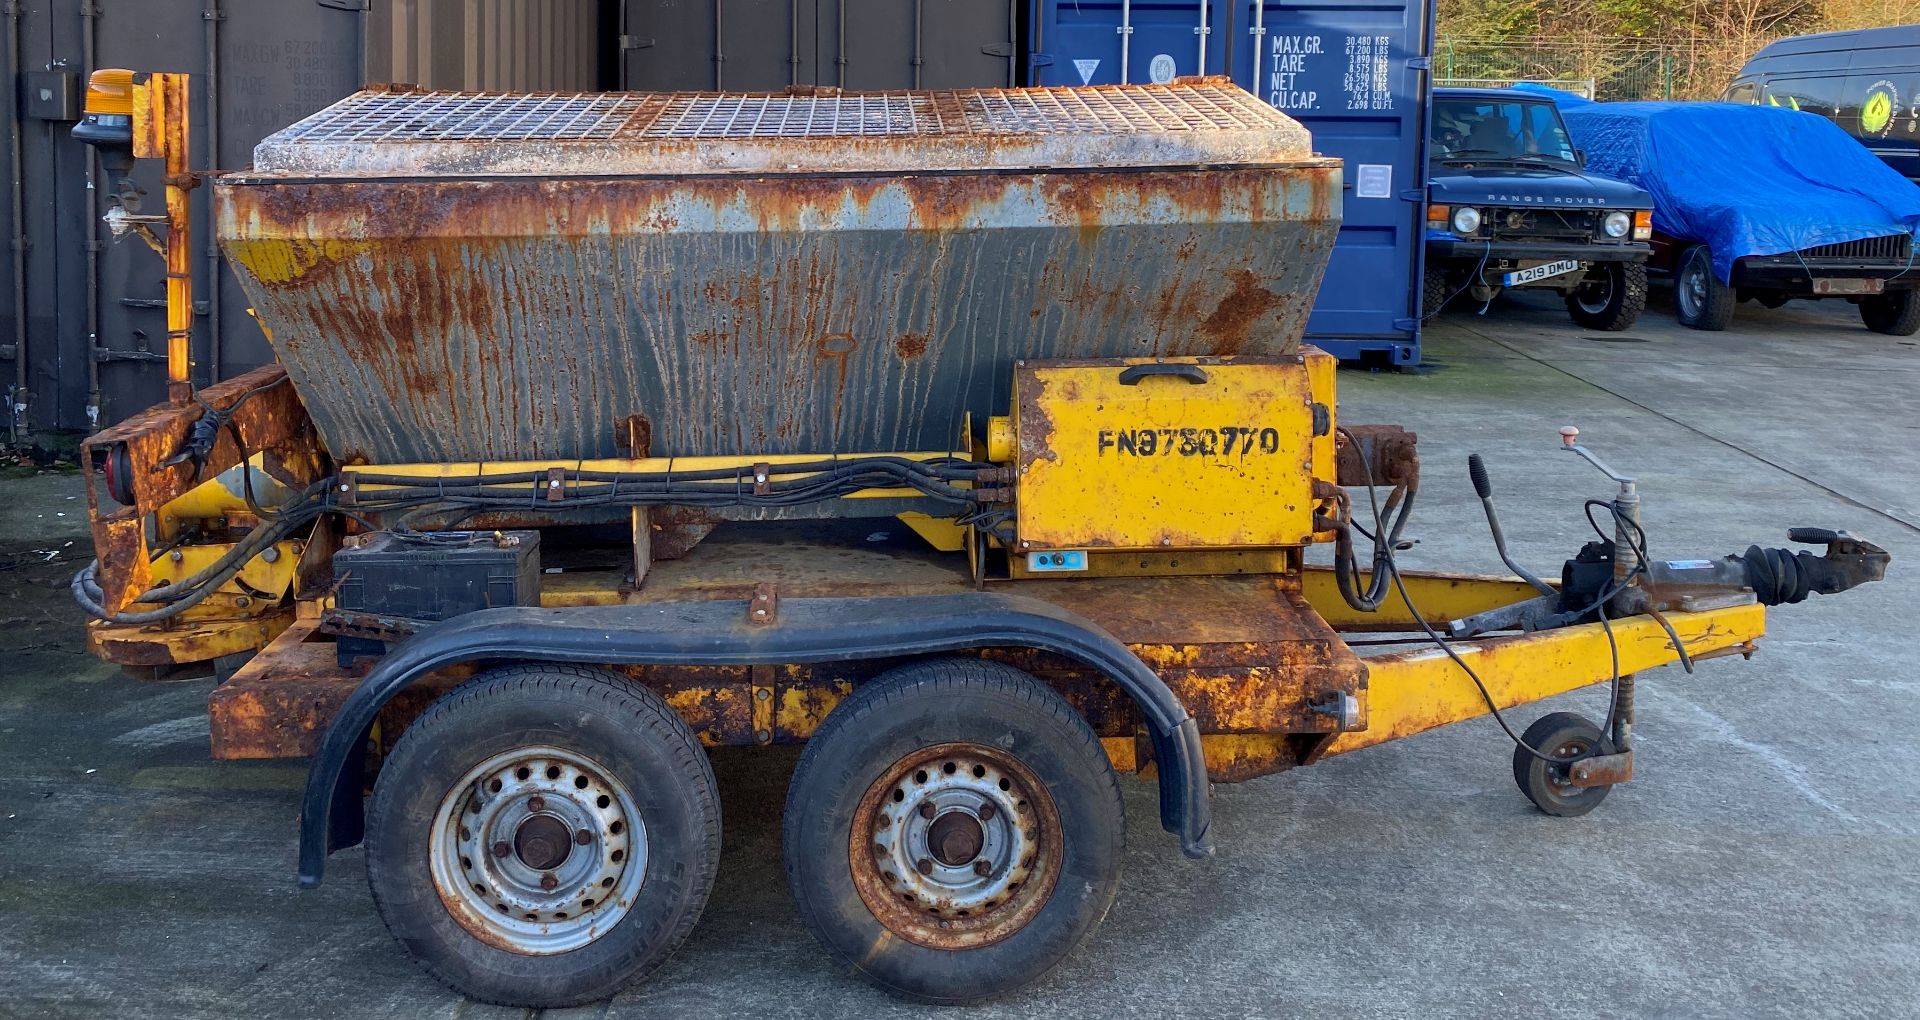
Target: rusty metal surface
x=923 y=916
x=400 y=132
x=1602 y=770
x=1385 y=454
x=1245 y=654
x=184 y=643
x=272 y=419
x=442 y=319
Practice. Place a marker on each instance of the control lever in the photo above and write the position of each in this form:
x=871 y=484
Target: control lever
x=1627 y=536
x=1483 y=486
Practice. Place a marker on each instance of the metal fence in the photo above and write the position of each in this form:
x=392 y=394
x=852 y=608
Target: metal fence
x=1618 y=68
x=1578 y=86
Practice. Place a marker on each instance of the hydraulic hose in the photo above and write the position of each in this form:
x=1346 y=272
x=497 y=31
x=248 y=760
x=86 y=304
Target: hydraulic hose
x=1385 y=538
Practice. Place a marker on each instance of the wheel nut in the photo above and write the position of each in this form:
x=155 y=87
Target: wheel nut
x=924 y=865
x=501 y=849
x=983 y=867
x=986 y=812
x=926 y=810
x=547 y=881
x=536 y=803
x=583 y=837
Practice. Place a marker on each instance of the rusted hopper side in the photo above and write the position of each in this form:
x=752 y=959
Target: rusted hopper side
x=465 y=277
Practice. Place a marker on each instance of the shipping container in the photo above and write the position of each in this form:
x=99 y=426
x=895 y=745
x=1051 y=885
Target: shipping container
x=761 y=45
x=492 y=45
x=1355 y=72
x=82 y=323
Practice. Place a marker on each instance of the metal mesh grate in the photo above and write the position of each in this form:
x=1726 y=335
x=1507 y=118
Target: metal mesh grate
x=747 y=116
x=464 y=116
x=456 y=116
x=1110 y=110
x=603 y=134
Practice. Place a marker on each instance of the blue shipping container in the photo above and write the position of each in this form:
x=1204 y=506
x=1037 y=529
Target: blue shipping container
x=1355 y=72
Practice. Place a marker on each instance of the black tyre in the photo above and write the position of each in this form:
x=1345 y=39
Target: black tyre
x=543 y=835
x=1610 y=297
x=1569 y=737
x=953 y=831
x=1700 y=300
x=1895 y=314
x=1435 y=291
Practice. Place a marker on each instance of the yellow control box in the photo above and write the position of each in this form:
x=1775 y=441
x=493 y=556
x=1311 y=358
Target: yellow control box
x=1171 y=453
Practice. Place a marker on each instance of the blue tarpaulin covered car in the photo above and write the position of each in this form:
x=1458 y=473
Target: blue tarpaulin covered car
x=1760 y=203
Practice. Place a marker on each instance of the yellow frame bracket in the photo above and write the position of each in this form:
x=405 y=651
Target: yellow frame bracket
x=1412 y=691
x=161 y=125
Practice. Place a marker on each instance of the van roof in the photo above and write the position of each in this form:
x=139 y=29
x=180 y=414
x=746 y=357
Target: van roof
x=1845 y=41
x=1497 y=94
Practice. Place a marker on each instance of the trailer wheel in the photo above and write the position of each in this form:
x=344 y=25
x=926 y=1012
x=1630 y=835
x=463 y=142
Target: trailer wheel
x=1609 y=297
x=543 y=835
x=952 y=831
x=1895 y=314
x=1700 y=300
x=1561 y=735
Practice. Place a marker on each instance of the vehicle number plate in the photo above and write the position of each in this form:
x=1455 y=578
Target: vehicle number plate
x=1529 y=275
x=1848 y=286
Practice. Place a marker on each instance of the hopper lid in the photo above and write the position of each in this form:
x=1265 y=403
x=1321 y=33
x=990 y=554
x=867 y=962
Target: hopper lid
x=1194 y=121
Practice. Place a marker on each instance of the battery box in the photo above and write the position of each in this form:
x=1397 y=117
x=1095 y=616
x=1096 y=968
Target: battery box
x=434 y=576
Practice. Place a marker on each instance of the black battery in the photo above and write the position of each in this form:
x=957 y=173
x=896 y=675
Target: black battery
x=432 y=576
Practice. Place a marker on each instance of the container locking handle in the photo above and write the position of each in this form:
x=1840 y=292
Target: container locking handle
x=1132 y=374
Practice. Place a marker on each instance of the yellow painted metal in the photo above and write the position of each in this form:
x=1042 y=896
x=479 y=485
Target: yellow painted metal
x=160 y=131
x=1000 y=439
x=1221 y=458
x=1412 y=691
x=1441 y=597
x=273 y=578
x=1155 y=563
x=1237 y=757
x=184 y=642
x=939 y=532
x=1123 y=752
x=222 y=495
x=1320 y=382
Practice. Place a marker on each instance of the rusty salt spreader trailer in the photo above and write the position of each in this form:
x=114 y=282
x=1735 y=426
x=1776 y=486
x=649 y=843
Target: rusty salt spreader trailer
x=965 y=437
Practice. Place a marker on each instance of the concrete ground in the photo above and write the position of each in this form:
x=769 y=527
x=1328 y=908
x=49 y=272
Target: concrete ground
x=1762 y=863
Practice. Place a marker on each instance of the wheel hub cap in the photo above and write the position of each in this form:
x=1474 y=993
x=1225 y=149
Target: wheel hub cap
x=955 y=838
x=538 y=850
x=543 y=842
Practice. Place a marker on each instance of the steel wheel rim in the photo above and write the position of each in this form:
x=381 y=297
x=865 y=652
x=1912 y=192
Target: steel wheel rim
x=955 y=846
x=1601 y=285
x=538 y=850
x=1559 y=770
x=1693 y=287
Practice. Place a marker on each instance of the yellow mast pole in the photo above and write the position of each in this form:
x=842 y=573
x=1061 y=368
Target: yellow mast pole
x=161 y=122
